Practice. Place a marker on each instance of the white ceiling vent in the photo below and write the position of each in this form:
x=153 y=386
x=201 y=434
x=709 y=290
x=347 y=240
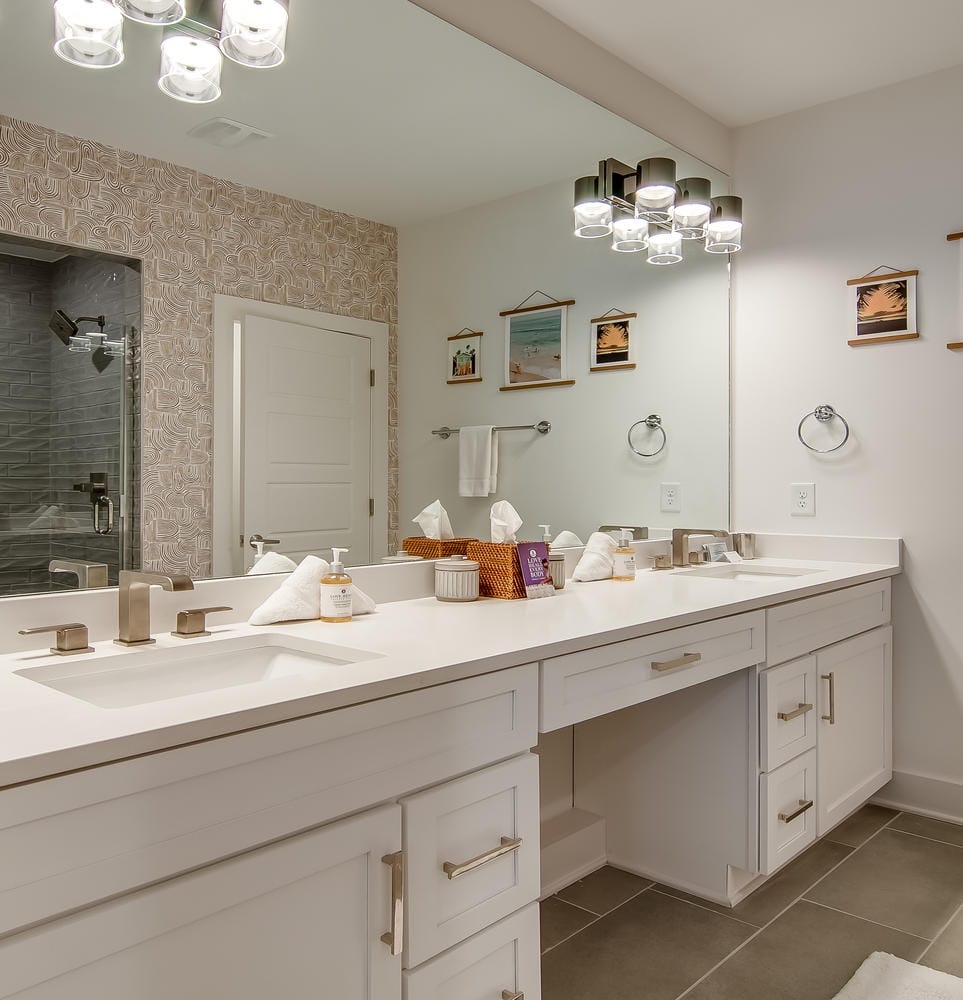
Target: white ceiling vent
x=227 y=133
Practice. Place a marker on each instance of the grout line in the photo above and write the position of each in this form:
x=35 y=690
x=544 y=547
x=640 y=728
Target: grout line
x=708 y=909
x=597 y=918
x=791 y=904
x=940 y=933
x=584 y=909
x=858 y=916
x=932 y=840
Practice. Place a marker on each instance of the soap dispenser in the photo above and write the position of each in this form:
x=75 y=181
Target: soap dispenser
x=624 y=557
x=336 y=591
x=547 y=535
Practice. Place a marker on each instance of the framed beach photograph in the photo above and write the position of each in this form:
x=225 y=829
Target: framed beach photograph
x=535 y=350
x=884 y=308
x=611 y=343
x=464 y=357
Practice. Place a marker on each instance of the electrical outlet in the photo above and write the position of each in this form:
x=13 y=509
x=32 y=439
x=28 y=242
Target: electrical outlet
x=802 y=499
x=671 y=498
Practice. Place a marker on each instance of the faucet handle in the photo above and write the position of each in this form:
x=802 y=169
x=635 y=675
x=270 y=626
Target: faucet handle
x=192 y=623
x=71 y=639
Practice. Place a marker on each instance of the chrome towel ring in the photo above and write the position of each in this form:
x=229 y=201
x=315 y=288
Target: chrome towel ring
x=823 y=413
x=654 y=423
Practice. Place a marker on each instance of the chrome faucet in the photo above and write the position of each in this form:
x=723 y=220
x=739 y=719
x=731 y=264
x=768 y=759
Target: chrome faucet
x=680 y=541
x=90 y=575
x=133 y=607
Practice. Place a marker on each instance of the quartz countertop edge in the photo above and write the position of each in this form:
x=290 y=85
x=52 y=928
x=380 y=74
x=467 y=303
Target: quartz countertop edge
x=44 y=732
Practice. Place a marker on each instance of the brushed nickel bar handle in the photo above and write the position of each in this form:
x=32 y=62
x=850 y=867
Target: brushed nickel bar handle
x=804 y=806
x=831 y=677
x=802 y=709
x=681 y=661
x=395 y=938
x=508 y=844
x=508 y=995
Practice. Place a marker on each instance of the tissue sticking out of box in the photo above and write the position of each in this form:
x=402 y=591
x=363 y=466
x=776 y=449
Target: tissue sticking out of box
x=434 y=521
x=505 y=522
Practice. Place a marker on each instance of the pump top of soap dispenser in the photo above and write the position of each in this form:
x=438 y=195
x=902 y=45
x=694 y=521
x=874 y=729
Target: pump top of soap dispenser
x=546 y=533
x=625 y=536
x=338 y=566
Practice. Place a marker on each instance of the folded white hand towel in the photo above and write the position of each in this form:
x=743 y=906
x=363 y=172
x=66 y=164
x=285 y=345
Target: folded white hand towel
x=477 y=461
x=597 y=562
x=272 y=562
x=299 y=597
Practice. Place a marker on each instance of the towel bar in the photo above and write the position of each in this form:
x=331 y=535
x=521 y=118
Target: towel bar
x=543 y=427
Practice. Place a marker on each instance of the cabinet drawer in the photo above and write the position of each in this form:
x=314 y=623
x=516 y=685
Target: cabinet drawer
x=804 y=626
x=502 y=959
x=788 y=710
x=472 y=848
x=584 y=685
x=787 y=811
x=69 y=841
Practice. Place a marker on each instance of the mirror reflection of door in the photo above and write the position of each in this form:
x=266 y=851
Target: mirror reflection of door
x=305 y=439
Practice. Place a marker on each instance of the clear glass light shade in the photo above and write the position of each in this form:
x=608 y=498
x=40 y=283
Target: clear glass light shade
x=253 y=32
x=724 y=236
x=593 y=219
x=190 y=69
x=654 y=203
x=114 y=348
x=153 y=11
x=89 y=33
x=690 y=220
x=630 y=235
x=79 y=345
x=665 y=248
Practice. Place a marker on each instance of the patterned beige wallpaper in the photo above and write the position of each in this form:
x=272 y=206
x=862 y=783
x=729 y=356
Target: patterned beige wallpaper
x=197 y=236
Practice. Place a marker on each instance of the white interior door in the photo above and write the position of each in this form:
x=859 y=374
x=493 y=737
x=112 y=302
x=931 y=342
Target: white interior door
x=305 y=443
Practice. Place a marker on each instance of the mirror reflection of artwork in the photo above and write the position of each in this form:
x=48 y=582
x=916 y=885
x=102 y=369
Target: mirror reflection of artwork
x=885 y=307
x=612 y=342
x=464 y=357
x=535 y=346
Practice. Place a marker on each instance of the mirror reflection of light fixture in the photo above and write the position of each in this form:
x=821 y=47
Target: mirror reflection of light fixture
x=665 y=247
x=630 y=235
x=253 y=32
x=655 y=189
x=190 y=68
x=89 y=33
x=724 y=228
x=593 y=215
x=79 y=345
x=153 y=11
x=115 y=348
x=692 y=207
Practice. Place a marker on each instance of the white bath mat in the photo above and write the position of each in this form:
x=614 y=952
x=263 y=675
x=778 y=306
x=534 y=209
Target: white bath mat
x=885 y=977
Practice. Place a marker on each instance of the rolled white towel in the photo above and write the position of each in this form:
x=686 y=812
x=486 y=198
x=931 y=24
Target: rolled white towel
x=597 y=562
x=566 y=540
x=273 y=562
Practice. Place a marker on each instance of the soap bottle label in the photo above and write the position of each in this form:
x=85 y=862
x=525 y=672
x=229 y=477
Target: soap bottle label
x=624 y=565
x=335 y=600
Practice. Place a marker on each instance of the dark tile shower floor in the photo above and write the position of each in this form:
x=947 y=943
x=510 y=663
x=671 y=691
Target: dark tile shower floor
x=881 y=881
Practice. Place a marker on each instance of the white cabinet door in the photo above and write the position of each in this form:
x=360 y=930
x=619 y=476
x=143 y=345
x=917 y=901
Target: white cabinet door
x=855 y=741
x=297 y=920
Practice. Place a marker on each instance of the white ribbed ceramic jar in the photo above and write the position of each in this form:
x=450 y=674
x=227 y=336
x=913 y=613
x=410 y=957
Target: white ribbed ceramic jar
x=456 y=579
x=556 y=562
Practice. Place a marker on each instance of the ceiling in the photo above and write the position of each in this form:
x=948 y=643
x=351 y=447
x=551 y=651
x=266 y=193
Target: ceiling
x=380 y=110
x=745 y=60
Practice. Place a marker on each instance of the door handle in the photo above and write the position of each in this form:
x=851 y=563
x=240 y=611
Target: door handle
x=681 y=661
x=831 y=718
x=801 y=709
x=456 y=870
x=395 y=938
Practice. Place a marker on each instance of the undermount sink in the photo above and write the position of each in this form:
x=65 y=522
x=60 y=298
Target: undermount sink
x=150 y=675
x=749 y=573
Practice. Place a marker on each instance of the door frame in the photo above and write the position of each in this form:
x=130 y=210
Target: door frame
x=229 y=312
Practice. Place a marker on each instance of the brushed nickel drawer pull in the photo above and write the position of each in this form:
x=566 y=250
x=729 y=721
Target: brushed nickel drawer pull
x=681 y=661
x=508 y=844
x=804 y=806
x=831 y=718
x=801 y=709
x=508 y=995
x=395 y=938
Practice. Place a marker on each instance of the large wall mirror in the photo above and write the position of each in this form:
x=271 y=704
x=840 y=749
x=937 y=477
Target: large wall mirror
x=210 y=331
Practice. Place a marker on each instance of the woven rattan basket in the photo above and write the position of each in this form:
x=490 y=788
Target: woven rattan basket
x=499 y=573
x=436 y=548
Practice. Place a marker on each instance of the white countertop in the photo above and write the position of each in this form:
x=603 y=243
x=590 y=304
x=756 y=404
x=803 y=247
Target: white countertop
x=421 y=642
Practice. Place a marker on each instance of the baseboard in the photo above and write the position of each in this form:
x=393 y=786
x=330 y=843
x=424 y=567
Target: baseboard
x=937 y=798
x=564 y=881
x=693 y=890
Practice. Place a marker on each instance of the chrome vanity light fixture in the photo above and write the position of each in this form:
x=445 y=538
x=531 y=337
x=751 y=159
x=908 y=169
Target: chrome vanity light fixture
x=89 y=33
x=646 y=208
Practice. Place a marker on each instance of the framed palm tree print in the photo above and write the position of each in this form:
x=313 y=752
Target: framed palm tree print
x=884 y=308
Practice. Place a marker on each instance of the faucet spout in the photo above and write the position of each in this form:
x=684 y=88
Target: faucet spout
x=133 y=603
x=680 y=541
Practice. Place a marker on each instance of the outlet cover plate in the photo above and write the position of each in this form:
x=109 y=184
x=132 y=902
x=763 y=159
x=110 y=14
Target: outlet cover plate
x=671 y=498
x=802 y=499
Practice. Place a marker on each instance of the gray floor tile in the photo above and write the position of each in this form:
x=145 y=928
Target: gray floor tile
x=861 y=825
x=653 y=947
x=809 y=953
x=559 y=921
x=947 y=951
x=949 y=833
x=778 y=892
x=898 y=880
x=603 y=890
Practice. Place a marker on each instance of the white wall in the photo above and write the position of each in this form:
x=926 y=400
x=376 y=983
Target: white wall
x=462 y=270
x=831 y=193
